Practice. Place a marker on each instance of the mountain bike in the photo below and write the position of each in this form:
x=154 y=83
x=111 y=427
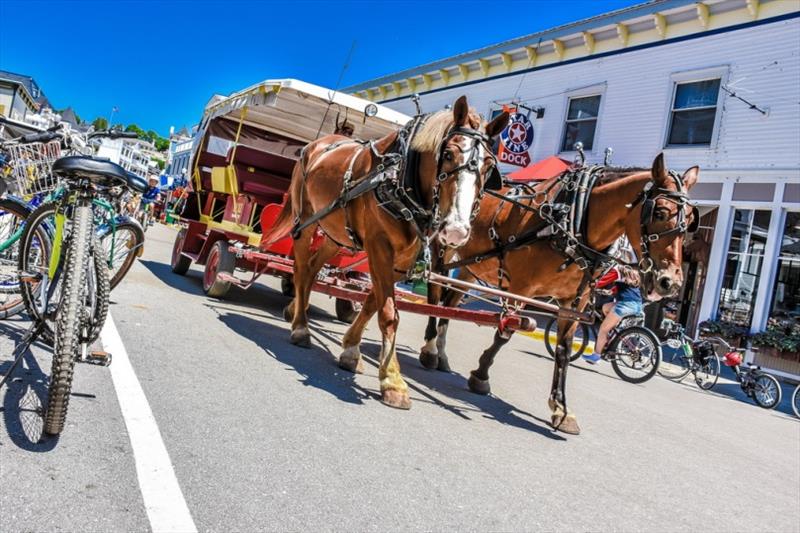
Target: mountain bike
x=72 y=303
x=633 y=350
x=696 y=356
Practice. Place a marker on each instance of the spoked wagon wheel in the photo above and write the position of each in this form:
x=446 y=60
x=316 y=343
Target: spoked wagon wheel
x=347 y=311
x=551 y=335
x=220 y=260
x=180 y=263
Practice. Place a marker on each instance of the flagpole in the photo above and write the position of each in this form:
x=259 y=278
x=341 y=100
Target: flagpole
x=111 y=120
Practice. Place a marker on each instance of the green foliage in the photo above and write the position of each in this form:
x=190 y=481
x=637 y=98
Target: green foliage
x=100 y=124
x=161 y=163
x=783 y=334
x=723 y=328
x=162 y=144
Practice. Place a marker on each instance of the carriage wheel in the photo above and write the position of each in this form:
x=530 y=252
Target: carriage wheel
x=220 y=260
x=347 y=311
x=180 y=263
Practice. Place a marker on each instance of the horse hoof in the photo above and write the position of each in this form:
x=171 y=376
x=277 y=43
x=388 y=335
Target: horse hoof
x=565 y=424
x=477 y=385
x=351 y=362
x=301 y=337
x=288 y=312
x=396 y=399
x=444 y=365
x=428 y=360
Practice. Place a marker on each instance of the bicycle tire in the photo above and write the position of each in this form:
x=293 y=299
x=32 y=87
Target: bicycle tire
x=9 y=282
x=129 y=257
x=675 y=366
x=102 y=291
x=552 y=328
x=767 y=380
x=68 y=320
x=796 y=401
x=712 y=370
x=645 y=372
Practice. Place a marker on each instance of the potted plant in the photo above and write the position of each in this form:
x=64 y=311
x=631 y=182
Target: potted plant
x=780 y=339
x=733 y=334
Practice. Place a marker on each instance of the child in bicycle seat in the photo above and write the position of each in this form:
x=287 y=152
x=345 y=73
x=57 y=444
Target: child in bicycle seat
x=627 y=298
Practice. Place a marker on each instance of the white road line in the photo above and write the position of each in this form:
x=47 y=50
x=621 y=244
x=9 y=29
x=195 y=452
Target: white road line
x=163 y=499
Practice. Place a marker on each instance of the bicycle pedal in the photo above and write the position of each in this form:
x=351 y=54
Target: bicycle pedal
x=98 y=357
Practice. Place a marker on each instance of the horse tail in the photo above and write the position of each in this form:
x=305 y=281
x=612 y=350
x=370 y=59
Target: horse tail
x=281 y=227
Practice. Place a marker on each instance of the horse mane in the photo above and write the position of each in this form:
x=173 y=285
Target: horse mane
x=612 y=174
x=430 y=136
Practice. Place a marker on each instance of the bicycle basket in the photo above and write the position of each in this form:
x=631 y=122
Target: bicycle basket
x=31 y=164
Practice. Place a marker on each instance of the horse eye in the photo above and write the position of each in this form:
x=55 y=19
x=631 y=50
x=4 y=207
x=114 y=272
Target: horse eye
x=661 y=215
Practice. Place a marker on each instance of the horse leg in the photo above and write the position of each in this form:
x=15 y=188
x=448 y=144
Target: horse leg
x=306 y=267
x=394 y=390
x=327 y=249
x=432 y=354
x=479 y=378
x=561 y=417
x=350 y=359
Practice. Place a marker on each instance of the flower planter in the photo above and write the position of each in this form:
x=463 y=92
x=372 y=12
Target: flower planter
x=771 y=351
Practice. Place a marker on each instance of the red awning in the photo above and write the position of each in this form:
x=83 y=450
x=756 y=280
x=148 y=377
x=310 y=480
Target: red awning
x=541 y=170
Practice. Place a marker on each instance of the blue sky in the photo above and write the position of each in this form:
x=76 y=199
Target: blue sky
x=160 y=61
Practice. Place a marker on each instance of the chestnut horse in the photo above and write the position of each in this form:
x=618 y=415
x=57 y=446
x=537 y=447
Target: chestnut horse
x=615 y=207
x=453 y=160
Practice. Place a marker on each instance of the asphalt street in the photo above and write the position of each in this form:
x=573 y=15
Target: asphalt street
x=263 y=435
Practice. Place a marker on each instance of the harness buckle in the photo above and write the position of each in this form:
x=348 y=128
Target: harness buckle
x=408 y=216
x=441 y=177
x=653 y=237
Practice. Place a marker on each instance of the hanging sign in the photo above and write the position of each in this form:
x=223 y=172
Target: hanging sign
x=516 y=140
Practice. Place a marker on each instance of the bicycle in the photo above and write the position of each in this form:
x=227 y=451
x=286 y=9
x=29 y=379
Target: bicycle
x=796 y=401
x=761 y=387
x=696 y=356
x=73 y=301
x=633 y=350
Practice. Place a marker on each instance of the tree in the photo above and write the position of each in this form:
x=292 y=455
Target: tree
x=136 y=129
x=100 y=124
x=162 y=144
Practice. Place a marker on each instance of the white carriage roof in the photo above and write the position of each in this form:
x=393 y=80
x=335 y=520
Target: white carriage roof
x=302 y=111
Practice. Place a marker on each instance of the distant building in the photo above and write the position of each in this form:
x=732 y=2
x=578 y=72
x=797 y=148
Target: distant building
x=20 y=95
x=132 y=154
x=180 y=152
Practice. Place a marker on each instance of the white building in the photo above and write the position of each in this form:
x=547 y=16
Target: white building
x=131 y=154
x=713 y=83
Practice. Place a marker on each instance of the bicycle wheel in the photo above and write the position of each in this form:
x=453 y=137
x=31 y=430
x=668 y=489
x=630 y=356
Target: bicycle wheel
x=796 y=401
x=674 y=364
x=767 y=392
x=12 y=221
x=551 y=328
x=128 y=239
x=97 y=297
x=68 y=319
x=635 y=354
x=707 y=373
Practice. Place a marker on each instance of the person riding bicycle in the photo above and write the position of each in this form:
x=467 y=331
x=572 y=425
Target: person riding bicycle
x=150 y=195
x=627 y=296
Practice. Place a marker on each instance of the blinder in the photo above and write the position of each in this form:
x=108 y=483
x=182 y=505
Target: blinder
x=648 y=207
x=494 y=180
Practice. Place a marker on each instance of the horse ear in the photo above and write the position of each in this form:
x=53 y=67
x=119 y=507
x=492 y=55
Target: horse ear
x=690 y=177
x=460 y=112
x=659 y=171
x=497 y=125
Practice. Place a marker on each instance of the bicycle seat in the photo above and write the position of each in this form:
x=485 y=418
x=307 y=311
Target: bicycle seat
x=100 y=171
x=136 y=183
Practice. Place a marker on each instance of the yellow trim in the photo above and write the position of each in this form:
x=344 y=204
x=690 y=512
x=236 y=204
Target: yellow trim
x=445 y=76
x=412 y=84
x=484 y=66
x=660 y=22
x=464 y=70
x=243 y=230
x=384 y=92
x=558 y=46
x=752 y=8
x=622 y=34
x=428 y=79
x=397 y=87
x=508 y=61
x=533 y=54
x=703 y=14
x=588 y=42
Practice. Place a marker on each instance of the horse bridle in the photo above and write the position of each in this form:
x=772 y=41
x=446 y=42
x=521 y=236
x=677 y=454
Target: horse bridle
x=494 y=180
x=649 y=196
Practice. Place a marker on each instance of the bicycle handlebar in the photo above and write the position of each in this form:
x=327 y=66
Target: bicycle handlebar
x=44 y=137
x=114 y=134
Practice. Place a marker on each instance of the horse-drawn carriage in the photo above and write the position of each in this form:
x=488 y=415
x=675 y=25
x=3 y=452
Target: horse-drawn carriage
x=340 y=175
x=245 y=150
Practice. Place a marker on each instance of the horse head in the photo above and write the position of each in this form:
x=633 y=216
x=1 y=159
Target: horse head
x=665 y=216
x=460 y=164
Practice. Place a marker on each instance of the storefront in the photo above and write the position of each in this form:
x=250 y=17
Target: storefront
x=712 y=84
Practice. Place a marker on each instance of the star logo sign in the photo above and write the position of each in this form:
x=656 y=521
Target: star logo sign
x=516 y=133
x=518 y=136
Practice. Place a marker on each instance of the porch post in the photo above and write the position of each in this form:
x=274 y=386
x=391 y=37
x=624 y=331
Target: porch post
x=719 y=251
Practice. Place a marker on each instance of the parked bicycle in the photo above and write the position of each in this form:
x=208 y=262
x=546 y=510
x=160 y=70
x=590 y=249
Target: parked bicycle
x=633 y=350
x=796 y=401
x=762 y=387
x=696 y=356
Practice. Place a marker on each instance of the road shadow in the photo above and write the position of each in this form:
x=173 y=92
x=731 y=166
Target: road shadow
x=24 y=398
x=317 y=367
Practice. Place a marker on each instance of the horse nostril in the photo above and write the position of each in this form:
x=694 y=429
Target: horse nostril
x=665 y=283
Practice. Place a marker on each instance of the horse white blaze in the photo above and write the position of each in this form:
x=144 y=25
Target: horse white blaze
x=457 y=222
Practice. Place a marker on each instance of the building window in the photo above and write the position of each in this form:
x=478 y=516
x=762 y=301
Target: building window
x=694 y=111
x=581 y=122
x=786 y=293
x=743 y=266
